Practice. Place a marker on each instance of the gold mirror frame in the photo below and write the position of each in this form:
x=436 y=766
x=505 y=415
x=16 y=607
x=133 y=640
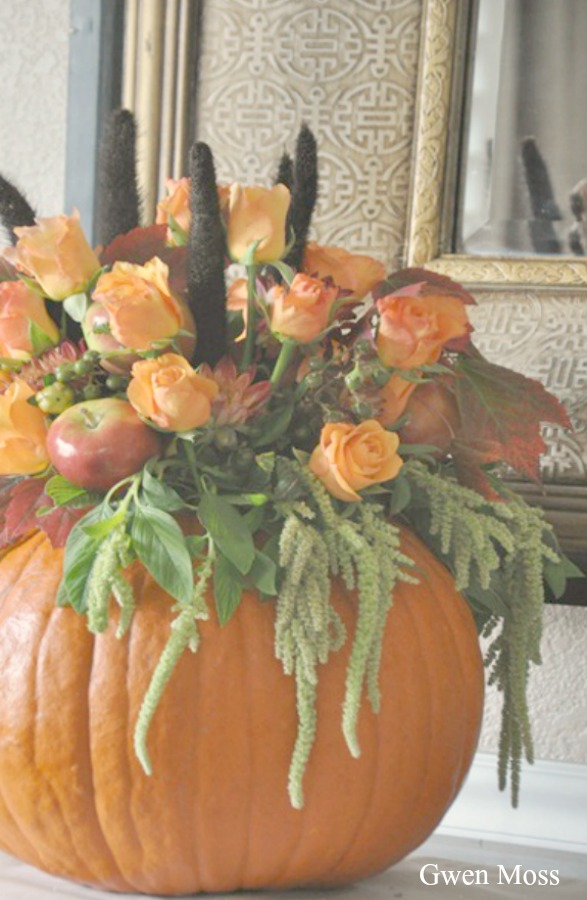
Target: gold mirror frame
x=443 y=52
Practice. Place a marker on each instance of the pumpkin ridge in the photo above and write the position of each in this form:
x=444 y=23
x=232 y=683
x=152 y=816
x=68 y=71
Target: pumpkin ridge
x=85 y=860
x=14 y=579
x=125 y=883
x=424 y=738
x=130 y=725
x=30 y=849
x=242 y=879
x=368 y=795
x=463 y=612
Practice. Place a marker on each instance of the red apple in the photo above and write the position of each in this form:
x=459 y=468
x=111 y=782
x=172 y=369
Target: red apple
x=97 y=443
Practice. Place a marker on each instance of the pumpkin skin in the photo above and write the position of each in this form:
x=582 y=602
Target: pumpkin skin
x=215 y=815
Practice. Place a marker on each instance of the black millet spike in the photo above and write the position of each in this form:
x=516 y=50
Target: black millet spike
x=118 y=202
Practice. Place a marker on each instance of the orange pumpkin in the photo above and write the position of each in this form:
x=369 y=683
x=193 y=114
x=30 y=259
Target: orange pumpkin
x=215 y=815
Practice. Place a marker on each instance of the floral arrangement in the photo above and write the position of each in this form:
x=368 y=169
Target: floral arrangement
x=296 y=399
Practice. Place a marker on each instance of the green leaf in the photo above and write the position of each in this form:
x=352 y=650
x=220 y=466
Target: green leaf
x=160 y=545
x=63 y=491
x=272 y=426
x=401 y=496
x=264 y=574
x=228 y=529
x=254 y=519
x=160 y=495
x=32 y=285
x=180 y=237
x=101 y=529
x=197 y=545
x=289 y=485
x=228 y=588
x=286 y=272
x=75 y=306
x=39 y=340
x=80 y=553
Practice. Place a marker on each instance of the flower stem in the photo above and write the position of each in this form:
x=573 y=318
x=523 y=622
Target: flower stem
x=286 y=354
x=249 y=351
x=192 y=462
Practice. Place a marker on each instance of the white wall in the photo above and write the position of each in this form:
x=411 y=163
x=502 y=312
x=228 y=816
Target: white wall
x=34 y=38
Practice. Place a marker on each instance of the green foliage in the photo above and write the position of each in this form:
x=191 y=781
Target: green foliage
x=500 y=554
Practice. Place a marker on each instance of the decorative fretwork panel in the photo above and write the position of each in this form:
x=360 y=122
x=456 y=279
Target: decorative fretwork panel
x=347 y=69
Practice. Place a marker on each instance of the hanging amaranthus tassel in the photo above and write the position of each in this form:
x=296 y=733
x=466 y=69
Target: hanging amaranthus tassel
x=14 y=209
x=304 y=193
x=206 y=253
x=118 y=201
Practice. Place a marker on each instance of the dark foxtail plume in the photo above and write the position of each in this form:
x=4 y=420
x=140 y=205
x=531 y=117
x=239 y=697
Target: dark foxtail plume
x=304 y=193
x=118 y=202
x=545 y=209
x=206 y=253
x=14 y=209
x=285 y=171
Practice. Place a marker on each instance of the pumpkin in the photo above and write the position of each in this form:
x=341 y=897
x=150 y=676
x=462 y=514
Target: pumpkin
x=215 y=815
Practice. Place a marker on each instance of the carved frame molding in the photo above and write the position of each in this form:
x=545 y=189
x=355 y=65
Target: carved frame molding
x=440 y=70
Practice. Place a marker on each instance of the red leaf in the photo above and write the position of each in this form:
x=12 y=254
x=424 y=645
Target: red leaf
x=20 y=501
x=58 y=523
x=142 y=244
x=24 y=498
x=500 y=417
x=422 y=282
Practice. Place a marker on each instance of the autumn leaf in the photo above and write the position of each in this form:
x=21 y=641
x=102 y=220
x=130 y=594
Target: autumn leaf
x=21 y=500
x=422 y=283
x=58 y=523
x=501 y=413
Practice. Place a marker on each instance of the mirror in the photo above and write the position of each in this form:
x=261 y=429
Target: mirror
x=532 y=312
x=437 y=235
x=524 y=160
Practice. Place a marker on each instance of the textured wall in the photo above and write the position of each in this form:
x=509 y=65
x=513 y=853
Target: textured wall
x=349 y=70
x=33 y=98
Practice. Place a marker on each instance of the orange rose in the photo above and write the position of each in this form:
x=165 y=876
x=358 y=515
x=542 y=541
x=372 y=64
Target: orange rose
x=394 y=397
x=139 y=303
x=350 y=271
x=352 y=457
x=55 y=253
x=257 y=214
x=301 y=312
x=23 y=432
x=170 y=393
x=20 y=307
x=414 y=329
x=175 y=205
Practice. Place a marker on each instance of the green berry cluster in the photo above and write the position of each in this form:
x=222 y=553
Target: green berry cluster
x=72 y=382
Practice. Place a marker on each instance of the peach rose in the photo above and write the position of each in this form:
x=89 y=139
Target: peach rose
x=352 y=457
x=394 y=396
x=23 y=432
x=350 y=271
x=56 y=254
x=168 y=392
x=139 y=303
x=257 y=214
x=175 y=205
x=414 y=329
x=302 y=312
x=20 y=307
